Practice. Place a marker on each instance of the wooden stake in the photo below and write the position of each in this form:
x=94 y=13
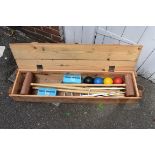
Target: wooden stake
x=78 y=85
x=83 y=91
x=72 y=87
x=130 y=92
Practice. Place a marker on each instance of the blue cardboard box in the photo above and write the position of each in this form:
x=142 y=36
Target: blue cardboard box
x=47 y=92
x=72 y=78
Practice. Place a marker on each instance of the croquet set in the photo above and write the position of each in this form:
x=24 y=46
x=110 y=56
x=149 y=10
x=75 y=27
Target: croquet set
x=75 y=73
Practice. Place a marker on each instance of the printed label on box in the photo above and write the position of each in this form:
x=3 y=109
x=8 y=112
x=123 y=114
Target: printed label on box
x=72 y=78
x=47 y=92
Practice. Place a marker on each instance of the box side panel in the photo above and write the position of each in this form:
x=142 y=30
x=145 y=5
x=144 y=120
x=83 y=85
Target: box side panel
x=76 y=100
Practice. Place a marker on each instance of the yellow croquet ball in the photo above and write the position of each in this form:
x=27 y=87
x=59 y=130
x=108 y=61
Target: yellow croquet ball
x=108 y=80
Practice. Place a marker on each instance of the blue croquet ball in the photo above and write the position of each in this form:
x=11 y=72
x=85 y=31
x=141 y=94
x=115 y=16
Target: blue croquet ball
x=98 y=80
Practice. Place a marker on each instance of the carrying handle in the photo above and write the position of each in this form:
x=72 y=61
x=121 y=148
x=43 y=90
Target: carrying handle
x=39 y=67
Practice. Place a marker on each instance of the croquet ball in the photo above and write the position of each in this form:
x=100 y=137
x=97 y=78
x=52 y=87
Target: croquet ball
x=88 y=80
x=98 y=80
x=117 y=80
x=108 y=80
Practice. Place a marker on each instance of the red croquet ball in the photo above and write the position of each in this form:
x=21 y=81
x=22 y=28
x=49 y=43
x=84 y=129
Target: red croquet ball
x=117 y=80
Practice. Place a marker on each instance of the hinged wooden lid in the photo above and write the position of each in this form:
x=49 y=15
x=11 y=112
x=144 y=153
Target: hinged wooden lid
x=75 y=56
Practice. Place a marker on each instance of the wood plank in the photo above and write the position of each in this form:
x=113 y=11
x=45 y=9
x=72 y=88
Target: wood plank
x=134 y=33
x=78 y=55
x=119 y=73
x=148 y=68
x=124 y=43
x=69 y=34
x=61 y=51
x=16 y=82
x=78 y=34
x=99 y=38
x=135 y=84
x=86 y=85
x=77 y=64
x=88 y=34
x=114 y=36
x=75 y=99
x=148 y=41
x=54 y=73
x=114 y=29
x=95 y=56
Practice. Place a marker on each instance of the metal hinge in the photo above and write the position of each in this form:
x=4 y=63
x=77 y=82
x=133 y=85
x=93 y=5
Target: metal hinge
x=111 y=68
x=39 y=68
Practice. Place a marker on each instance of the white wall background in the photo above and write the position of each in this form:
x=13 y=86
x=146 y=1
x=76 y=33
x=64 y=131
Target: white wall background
x=144 y=35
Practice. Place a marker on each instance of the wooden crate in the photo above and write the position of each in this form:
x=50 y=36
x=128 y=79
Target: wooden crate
x=48 y=62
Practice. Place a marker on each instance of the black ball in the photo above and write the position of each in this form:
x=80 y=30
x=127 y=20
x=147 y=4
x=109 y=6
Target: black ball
x=88 y=80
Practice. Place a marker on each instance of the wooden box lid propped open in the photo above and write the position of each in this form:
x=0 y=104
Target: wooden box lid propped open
x=75 y=58
x=78 y=57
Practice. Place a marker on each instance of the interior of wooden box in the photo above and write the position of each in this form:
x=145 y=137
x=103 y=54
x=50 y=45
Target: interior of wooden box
x=51 y=77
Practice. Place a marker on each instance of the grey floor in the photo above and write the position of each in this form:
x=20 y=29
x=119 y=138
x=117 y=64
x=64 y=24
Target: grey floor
x=39 y=115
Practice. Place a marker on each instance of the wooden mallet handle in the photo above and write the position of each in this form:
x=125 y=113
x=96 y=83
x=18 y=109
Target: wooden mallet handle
x=130 y=91
x=27 y=84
